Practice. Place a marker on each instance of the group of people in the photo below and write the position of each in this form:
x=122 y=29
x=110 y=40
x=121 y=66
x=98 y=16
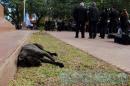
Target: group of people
x=107 y=20
x=59 y=25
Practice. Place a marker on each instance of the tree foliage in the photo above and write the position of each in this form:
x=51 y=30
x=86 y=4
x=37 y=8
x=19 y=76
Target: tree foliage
x=55 y=8
x=13 y=9
x=38 y=7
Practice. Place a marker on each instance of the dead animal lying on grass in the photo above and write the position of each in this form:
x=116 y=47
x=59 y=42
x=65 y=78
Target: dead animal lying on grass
x=32 y=55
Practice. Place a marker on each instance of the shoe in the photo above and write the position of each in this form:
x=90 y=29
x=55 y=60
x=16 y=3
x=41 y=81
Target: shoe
x=94 y=37
x=102 y=37
x=89 y=37
x=83 y=37
x=76 y=37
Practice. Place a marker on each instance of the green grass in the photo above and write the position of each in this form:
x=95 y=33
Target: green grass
x=80 y=68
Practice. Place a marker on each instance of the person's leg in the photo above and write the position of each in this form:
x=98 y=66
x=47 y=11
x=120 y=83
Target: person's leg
x=94 y=29
x=82 y=30
x=110 y=27
x=77 y=29
x=90 y=29
x=115 y=26
x=103 y=28
x=110 y=31
x=126 y=28
x=123 y=27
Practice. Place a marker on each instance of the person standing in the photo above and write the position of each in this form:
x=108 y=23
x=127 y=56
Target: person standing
x=124 y=21
x=114 y=21
x=93 y=19
x=103 y=21
x=80 y=17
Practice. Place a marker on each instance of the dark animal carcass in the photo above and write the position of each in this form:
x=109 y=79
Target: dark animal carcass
x=32 y=55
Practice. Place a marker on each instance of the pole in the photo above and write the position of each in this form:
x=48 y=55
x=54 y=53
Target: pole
x=24 y=21
x=24 y=11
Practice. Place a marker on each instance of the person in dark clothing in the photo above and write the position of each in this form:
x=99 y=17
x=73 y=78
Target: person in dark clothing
x=93 y=19
x=63 y=25
x=124 y=21
x=47 y=25
x=80 y=17
x=59 y=23
x=114 y=21
x=103 y=21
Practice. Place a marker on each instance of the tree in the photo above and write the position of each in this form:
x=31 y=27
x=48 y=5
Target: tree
x=13 y=9
x=62 y=8
x=38 y=7
x=53 y=8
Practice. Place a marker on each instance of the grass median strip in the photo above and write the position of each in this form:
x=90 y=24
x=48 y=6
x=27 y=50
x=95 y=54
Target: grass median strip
x=80 y=68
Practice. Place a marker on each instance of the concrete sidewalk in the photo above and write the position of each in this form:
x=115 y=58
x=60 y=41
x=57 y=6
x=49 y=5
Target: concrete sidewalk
x=10 y=45
x=104 y=49
x=9 y=41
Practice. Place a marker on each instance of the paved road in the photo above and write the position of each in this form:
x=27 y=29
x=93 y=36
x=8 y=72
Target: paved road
x=104 y=49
